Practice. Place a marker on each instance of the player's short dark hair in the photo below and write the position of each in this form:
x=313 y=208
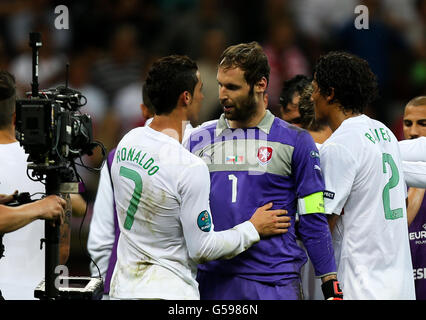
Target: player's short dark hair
x=306 y=108
x=307 y=111
x=250 y=58
x=7 y=98
x=295 y=84
x=146 y=100
x=417 y=101
x=167 y=78
x=354 y=84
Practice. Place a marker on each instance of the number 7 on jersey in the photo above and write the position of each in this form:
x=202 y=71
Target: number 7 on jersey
x=136 y=196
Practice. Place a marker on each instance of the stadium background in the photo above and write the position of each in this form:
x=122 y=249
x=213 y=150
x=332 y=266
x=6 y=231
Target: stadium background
x=110 y=44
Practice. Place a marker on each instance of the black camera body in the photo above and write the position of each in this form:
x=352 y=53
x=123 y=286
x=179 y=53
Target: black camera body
x=52 y=130
x=50 y=126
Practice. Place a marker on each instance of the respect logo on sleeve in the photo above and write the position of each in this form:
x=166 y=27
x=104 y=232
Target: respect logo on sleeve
x=204 y=221
x=329 y=194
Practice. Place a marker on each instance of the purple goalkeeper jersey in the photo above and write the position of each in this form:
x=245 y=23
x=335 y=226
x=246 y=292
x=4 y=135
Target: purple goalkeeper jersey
x=272 y=162
x=417 y=235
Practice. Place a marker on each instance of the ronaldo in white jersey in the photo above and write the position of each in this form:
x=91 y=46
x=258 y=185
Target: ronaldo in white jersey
x=162 y=191
x=366 y=192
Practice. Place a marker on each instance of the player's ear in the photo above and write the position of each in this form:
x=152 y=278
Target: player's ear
x=266 y=100
x=261 y=85
x=330 y=97
x=146 y=113
x=186 y=97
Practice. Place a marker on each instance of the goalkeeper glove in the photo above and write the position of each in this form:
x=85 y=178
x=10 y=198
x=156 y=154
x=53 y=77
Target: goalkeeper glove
x=331 y=290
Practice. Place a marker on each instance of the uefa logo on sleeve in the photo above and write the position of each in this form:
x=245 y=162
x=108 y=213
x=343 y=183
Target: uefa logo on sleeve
x=204 y=221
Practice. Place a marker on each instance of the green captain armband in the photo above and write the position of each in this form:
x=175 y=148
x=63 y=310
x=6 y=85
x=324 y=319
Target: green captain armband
x=313 y=203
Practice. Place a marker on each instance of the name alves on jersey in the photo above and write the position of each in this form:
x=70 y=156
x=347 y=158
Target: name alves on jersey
x=374 y=135
x=128 y=154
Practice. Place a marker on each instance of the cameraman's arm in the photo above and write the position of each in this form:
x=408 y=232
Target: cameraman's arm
x=65 y=232
x=49 y=208
x=77 y=206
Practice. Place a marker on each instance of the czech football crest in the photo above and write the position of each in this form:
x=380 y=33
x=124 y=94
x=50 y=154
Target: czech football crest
x=264 y=155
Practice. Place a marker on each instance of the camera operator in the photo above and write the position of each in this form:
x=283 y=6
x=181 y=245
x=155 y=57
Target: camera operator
x=22 y=267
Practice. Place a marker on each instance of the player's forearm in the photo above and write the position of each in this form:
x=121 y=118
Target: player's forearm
x=328 y=277
x=332 y=220
x=102 y=227
x=224 y=244
x=100 y=244
x=414 y=173
x=413 y=149
x=316 y=237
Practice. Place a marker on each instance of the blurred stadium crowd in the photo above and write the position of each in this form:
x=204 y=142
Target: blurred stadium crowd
x=111 y=44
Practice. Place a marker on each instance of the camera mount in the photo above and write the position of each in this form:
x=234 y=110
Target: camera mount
x=54 y=133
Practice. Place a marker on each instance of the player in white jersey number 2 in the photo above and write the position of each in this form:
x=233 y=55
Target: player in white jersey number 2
x=362 y=168
x=162 y=192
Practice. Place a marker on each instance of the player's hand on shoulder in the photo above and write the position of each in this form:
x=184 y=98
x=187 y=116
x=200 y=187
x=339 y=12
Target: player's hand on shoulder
x=270 y=222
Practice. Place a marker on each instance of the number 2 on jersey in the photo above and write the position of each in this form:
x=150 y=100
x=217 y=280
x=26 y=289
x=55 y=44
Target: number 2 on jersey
x=392 y=183
x=136 y=196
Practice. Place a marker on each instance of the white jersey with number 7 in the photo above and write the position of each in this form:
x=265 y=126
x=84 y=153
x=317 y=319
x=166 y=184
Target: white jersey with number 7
x=362 y=167
x=162 y=192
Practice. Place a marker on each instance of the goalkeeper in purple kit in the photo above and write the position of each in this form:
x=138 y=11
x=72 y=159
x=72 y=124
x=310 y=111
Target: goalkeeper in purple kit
x=255 y=158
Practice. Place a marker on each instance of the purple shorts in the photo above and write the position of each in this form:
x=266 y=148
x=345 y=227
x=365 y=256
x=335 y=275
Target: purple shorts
x=215 y=286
